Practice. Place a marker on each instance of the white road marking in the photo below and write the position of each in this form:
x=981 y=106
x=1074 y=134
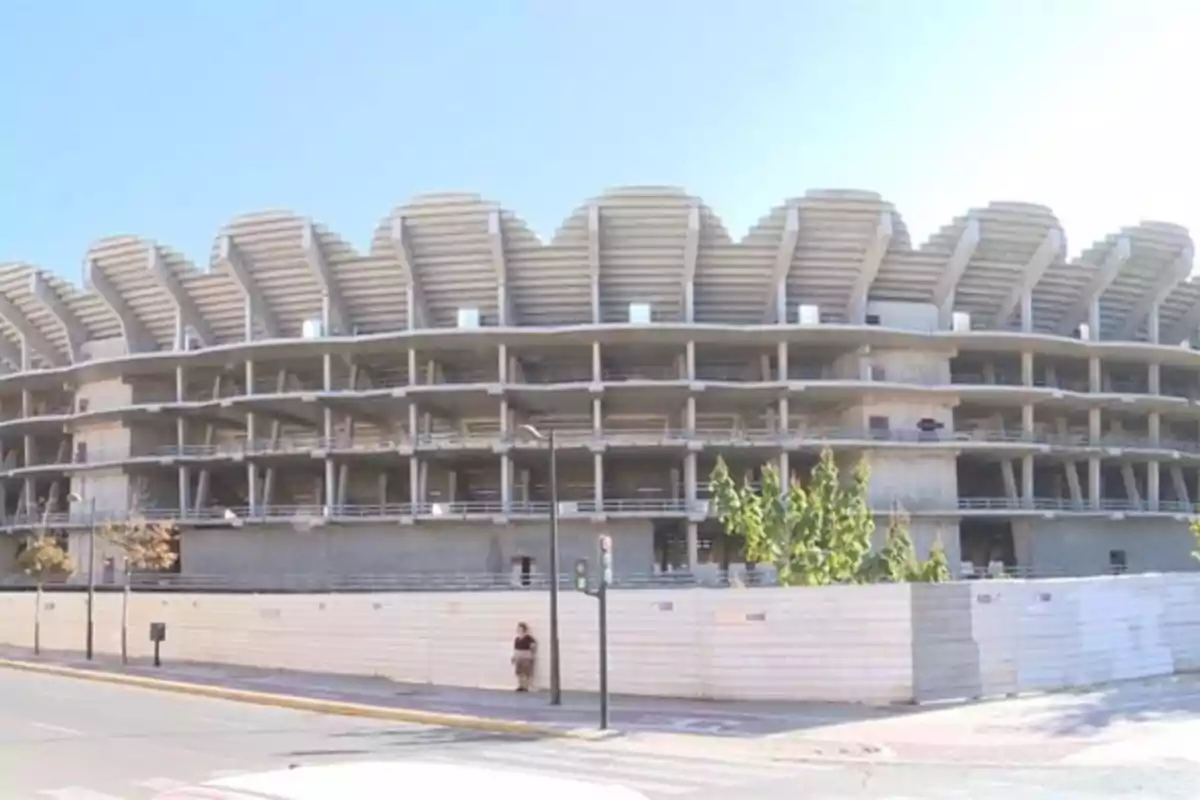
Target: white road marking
x=77 y=793
x=160 y=784
x=46 y=726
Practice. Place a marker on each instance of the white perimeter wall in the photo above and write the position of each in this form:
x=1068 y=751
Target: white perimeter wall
x=845 y=643
x=840 y=643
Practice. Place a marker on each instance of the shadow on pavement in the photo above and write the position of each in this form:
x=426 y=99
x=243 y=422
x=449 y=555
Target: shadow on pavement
x=1088 y=712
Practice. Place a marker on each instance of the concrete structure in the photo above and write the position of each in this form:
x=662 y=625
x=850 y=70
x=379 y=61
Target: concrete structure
x=302 y=407
x=885 y=643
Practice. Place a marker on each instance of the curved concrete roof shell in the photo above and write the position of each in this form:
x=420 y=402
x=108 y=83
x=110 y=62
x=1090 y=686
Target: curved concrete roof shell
x=831 y=248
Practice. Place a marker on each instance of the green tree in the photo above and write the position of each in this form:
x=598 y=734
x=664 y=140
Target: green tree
x=43 y=558
x=896 y=561
x=145 y=547
x=1195 y=529
x=813 y=535
x=936 y=568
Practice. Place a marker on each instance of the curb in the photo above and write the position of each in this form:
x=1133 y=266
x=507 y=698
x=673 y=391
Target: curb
x=297 y=703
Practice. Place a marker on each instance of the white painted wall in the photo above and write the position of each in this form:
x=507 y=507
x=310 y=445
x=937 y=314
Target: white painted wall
x=842 y=643
x=759 y=644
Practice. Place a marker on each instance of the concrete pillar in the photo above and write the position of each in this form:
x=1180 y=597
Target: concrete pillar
x=414 y=484
x=598 y=480
x=506 y=483
x=597 y=363
x=1027 y=480
x=1027 y=369
x=690 y=356
x=1153 y=485
x=693 y=546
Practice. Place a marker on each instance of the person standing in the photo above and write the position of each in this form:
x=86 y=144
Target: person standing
x=524 y=657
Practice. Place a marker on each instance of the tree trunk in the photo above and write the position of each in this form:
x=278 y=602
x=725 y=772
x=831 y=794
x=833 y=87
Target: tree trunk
x=125 y=622
x=37 y=621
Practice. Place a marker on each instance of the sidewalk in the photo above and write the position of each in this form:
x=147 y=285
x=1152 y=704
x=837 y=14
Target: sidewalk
x=1112 y=724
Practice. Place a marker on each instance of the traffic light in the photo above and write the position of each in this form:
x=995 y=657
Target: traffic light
x=606 y=563
x=581 y=574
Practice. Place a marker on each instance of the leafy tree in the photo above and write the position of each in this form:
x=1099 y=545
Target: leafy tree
x=1195 y=529
x=813 y=535
x=820 y=533
x=936 y=568
x=146 y=547
x=43 y=558
x=896 y=561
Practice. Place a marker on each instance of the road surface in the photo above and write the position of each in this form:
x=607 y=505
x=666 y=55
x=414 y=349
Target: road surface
x=65 y=739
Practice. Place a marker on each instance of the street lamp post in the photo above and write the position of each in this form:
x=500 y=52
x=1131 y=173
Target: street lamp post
x=91 y=573
x=555 y=669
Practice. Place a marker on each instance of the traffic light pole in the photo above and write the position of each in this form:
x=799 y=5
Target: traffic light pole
x=600 y=592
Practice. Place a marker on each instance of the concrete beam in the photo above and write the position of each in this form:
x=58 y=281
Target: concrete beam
x=1171 y=277
x=417 y=308
x=691 y=251
x=856 y=305
x=334 y=315
x=231 y=255
x=947 y=285
x=34 y=338
x=1117 y=257
x=138 y=338
x=776 y=306
x=44 y=294
x=1050 y=249
x=187 y=309
x=504 y=302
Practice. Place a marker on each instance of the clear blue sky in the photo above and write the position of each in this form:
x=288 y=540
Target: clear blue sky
x=166 y=119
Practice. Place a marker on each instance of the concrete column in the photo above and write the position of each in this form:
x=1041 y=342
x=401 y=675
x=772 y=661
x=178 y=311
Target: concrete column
x=690 y=479
x=690 y=356
x=1095 y=383
x=506 y=483
x=1027 y=426
x=412 y=367
x=782 y=362
x=598 y=481
x=414 y=484
x=1094 y=481
x=1027 y=311
x=1009 y=476
x=185 y=478
x=1154 y=378
x=1027 y=479
x=502 y=363
x=332 y=498
x=1027 y=369
x=597 y=417
x=689 y=414
x=693 y=546
x=597 y=363
x=1153 y=485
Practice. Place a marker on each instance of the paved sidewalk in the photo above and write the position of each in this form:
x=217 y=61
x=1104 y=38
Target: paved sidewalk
x=1117 y=724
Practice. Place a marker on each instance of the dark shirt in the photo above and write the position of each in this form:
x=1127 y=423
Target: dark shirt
x=525 y=642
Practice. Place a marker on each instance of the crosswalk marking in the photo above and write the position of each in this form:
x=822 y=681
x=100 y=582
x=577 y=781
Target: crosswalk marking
x=560 y=770
x=160 y=784
x=76 y=793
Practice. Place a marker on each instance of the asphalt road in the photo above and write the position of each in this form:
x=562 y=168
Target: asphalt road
x=65 y=739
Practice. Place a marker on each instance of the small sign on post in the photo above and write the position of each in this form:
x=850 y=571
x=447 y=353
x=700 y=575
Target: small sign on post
x=158 y=635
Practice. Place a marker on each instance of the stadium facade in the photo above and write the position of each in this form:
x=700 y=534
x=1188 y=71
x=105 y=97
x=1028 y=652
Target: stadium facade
x=303 y=408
